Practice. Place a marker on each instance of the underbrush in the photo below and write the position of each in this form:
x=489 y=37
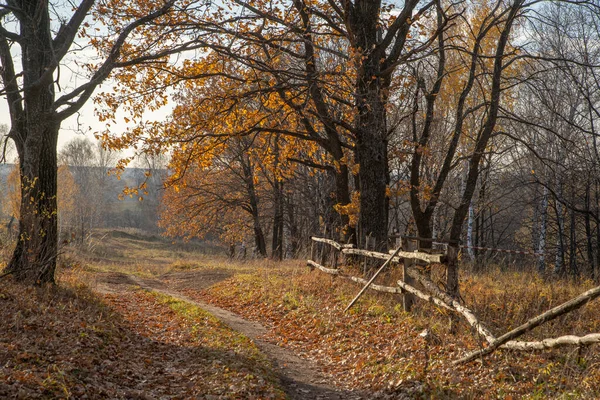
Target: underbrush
x=377 y=346
x=504 y=300
x=7 y=241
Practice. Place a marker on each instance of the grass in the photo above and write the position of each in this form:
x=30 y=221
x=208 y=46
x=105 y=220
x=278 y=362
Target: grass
x=377 y=345
x=145 y=255
x=66 y=341
x=211 y=332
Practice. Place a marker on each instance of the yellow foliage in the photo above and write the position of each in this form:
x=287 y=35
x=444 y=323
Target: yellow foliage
x=352 y=209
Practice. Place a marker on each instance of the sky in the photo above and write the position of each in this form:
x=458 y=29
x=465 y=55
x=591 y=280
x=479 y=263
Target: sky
x=84 y=123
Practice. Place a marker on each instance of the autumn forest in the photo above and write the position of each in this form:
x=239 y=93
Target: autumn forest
x=300 y=199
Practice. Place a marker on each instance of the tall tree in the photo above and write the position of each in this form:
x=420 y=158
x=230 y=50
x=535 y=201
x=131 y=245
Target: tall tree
x=35 y=38
x=471 y=77
x=333 y=64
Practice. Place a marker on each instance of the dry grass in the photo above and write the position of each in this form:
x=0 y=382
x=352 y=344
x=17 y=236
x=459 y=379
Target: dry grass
x=66 y=341
x=377 y=346
x=505 y=300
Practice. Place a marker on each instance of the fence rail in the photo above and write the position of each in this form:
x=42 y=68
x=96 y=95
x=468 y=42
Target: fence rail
x=431 y=293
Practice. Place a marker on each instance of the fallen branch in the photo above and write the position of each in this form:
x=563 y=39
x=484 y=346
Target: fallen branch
x=427 y=297
x=549 y=315
x=489 y=337
x=379 y=288
x=567 y=340
x=453 y=304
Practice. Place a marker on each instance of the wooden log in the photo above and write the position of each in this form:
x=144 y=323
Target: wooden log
x=331 y=271
x=337 y=272
x=431 y=258
x=549 y=315
x=442 y=297
x=427 y=297
x=333 y=243
x=449 y=303
x=423 y=256
x=453 y=303
x=385 y=264
x=379 y=288
x=567 y=340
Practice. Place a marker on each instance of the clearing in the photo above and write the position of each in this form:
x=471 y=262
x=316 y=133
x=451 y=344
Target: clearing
x=136 y=316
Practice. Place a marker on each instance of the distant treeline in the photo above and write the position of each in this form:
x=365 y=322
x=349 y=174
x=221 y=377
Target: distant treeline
x=93 y=197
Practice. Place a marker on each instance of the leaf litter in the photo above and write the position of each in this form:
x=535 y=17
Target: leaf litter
x=67 y=342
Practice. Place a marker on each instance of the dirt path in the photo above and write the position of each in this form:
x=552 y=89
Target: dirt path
x=300 y=378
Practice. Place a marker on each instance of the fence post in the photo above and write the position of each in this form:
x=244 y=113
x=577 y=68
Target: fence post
x=324 y=250
x=335 y=257
x=369 y=245
x=408 y=298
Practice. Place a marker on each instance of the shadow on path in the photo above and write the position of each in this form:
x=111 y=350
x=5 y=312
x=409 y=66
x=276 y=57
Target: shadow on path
x=300 y=378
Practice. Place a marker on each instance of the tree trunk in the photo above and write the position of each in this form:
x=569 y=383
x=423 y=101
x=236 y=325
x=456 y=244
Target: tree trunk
x=481 y=144
x=259 y=237
x=370 y=124
x=597 y=231
x=560 y=249
x=371 y=152
x=342 y=194
x=292 y=227
x=277 y=242
x=541 y=245
x=470 y=243
x=452 y=270
x=588 y=231
x=573 y=268
x=45 y=38
x=34 y=257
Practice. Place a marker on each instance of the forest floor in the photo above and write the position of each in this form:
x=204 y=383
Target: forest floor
x=139 y=317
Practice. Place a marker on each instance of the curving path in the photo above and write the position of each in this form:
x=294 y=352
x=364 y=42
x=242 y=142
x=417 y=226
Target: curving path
x=300 y=378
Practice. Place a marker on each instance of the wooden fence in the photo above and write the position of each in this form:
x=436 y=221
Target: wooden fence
x=326 y=250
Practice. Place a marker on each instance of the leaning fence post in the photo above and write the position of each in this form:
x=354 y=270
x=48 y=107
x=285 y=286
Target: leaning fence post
x=385 y=264
x=408 y=298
